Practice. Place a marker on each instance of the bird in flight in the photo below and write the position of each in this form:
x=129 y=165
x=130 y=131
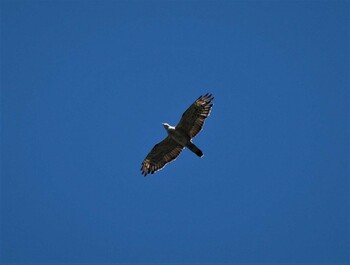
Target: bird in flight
x=179 y=137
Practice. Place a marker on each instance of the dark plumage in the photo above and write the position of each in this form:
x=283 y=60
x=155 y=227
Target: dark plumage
x=190 y=124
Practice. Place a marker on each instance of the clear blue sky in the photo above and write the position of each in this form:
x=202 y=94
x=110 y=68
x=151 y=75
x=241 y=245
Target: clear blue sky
x=85 y=86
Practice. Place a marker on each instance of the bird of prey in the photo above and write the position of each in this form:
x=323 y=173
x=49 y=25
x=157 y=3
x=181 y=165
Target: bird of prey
x=179 y=137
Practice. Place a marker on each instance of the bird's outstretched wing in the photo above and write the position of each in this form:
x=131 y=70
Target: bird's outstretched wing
x=161 y=154
x=192 y=120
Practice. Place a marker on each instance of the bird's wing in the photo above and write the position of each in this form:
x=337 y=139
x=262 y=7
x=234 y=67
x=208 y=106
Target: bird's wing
x=192 y=120
x=161 y=154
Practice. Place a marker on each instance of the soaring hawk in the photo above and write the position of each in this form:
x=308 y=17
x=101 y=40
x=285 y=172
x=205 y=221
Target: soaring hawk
x=179 y=137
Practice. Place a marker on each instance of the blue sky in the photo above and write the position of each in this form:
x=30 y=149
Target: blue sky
x=85 y=86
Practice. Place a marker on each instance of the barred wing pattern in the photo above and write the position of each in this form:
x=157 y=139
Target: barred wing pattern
x=161 y=154
x=192 y=120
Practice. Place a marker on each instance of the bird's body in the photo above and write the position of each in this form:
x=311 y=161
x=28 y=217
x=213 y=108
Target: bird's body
x=179 y=137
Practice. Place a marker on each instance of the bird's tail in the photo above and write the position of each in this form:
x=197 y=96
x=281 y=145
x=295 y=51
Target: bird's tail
x=195 y=149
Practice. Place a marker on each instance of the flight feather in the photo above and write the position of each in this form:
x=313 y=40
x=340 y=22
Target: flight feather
x=161 y=154
x=193 y=118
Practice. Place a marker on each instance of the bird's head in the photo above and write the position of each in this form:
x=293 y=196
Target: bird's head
x=166 y=126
